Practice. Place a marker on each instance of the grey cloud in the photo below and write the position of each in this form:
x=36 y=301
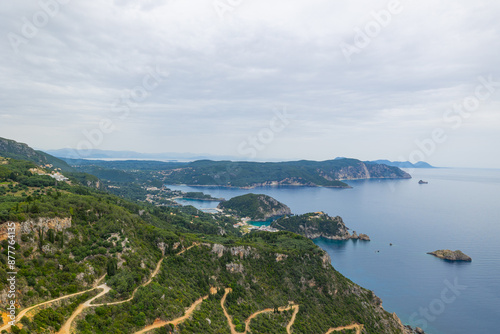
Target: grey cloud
x=226 y=76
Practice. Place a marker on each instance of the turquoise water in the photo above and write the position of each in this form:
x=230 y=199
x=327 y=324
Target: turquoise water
x=264 y=223
x=458 y=209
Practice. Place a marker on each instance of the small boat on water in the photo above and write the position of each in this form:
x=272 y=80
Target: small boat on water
x=422 y=182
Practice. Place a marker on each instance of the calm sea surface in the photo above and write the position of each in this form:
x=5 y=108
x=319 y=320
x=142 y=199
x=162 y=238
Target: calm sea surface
x=458 y=209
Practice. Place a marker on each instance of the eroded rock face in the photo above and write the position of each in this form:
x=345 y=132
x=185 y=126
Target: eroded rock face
x=235 y=268
x=280 y=257
x=449 y=255
x=239 y=251
x=218 y=249
x=33 y=225
x=326 y=260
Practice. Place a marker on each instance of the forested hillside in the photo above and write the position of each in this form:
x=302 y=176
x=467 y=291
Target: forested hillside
x=159 y=261
x=329 y=173
x=255 y=206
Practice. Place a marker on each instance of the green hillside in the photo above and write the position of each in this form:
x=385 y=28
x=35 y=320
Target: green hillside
x=12 y=149
x=158 y=262
x=313 y=225
x=329 y=173
x=256 y=207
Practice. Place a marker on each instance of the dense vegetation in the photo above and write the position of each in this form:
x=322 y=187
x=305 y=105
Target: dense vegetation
x=12 y=149
x=256 y=207
x=198 y=195
x=312 y=224
x=250 y=267
x=242 y=174
x=125 y=240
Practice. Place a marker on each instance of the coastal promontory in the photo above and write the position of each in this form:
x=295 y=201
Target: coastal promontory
x=255 y=207
x=449 y=255
x=317 y=225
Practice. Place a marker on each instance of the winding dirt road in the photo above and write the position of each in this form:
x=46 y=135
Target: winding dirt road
x=155 y=272
x=357 y=327
x=293 y=307
x=26 y=310
x=175 y=322
x=66 y=328
x=254 y=315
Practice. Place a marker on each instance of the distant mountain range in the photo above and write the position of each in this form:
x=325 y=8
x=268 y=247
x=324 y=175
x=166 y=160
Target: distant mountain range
x=403 y=164
x=70 y=153
x=399 y=164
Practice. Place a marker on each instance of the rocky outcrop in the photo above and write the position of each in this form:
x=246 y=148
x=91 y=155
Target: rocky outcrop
x=33 y=225
x=449 y=255
x=280 y=257
x=239 y=251
x=235 y=268
x=326 y=260
x=361 y=236
x=411 y=330
x=358 y=170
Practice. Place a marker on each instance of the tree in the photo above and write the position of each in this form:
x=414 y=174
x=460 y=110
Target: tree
x=40 y=238
x=112 y=266
x=51 y=236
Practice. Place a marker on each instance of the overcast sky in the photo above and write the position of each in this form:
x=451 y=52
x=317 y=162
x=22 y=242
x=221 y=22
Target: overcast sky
x=365 y=79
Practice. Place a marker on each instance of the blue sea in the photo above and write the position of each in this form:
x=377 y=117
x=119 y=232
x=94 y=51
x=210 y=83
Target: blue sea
x=458 y=209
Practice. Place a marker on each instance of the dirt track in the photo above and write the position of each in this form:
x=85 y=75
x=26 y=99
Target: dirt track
x=250 y=318
x=66 y=328
x=175 y=322
x=358 y=328
x=26 y=310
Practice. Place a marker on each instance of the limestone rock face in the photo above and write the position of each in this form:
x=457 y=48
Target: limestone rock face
x=326 y=260
x=280 y=257
x=33 y=225
x=449 y=255
x=235 y=268
x=240 y=251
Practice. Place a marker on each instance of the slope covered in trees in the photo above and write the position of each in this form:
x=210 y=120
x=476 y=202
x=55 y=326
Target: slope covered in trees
x=69 y=236
x=256 y=207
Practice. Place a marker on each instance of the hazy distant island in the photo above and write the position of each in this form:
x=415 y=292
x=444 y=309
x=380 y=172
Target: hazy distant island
x=449 y=255
x=404 y=164
x=317 y=225
x=255 y=207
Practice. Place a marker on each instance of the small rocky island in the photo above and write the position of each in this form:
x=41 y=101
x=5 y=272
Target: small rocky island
x=255 y=207
x=449 y=255
x=317 y=225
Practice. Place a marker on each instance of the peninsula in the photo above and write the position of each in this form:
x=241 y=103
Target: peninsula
x=317 y=225
x=255 y=207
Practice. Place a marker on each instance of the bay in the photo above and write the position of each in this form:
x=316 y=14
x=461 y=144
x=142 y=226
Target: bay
x=458 y=209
